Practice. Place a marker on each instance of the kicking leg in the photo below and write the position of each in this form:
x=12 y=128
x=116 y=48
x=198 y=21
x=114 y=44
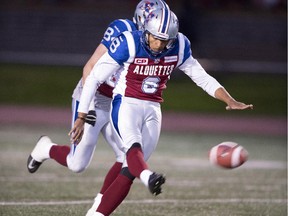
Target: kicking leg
x=138 y=167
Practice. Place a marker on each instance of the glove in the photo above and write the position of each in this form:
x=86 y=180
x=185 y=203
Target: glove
x=91 y=117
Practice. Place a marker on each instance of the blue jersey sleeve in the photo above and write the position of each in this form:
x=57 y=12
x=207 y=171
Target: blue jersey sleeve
x=115 y=28
x=119 y=50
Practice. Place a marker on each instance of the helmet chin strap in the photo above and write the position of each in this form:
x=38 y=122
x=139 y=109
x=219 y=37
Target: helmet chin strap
x=170 y=44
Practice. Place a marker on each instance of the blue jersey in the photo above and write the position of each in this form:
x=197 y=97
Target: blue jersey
x=114 y=30
x=146 y=75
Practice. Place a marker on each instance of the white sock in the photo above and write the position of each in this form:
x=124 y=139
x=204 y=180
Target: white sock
x=97 y=201
x=98 y=214
x=46 y=149
x=144 y=176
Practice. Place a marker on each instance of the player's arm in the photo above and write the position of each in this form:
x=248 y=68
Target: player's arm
x=100 y=50
x=209 y=84
x=232 y=104
x=104 y=68
x=110 y=62
x=196 y=72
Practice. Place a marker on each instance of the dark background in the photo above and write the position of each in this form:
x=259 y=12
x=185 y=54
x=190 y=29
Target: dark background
x=226 y=33
x=45 y=43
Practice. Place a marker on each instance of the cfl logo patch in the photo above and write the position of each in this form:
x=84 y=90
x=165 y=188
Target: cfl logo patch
x=141 y=61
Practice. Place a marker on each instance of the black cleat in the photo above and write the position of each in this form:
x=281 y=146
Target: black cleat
x=39 y=154
x=32 y=164
x=155 y=182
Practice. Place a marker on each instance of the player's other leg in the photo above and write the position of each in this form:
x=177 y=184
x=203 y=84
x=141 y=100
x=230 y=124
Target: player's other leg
x=41 y=151
x=77 y=157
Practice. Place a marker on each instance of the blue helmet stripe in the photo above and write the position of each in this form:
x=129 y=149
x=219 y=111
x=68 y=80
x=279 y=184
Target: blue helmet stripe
x=164 y=5
x=164 y=21
x=165 y=18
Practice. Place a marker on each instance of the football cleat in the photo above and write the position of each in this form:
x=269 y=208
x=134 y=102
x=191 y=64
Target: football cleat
x=39 y=154
x=32 y=165
x=155 y=182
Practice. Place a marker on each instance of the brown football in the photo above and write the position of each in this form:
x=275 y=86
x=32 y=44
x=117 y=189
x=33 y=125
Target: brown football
x=228 y=155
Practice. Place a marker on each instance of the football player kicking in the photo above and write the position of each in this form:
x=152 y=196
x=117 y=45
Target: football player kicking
x=144 y=61
x=77 y=157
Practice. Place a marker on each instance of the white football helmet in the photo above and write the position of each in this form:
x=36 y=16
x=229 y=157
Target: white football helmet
x=145 y=7
x=162 y=24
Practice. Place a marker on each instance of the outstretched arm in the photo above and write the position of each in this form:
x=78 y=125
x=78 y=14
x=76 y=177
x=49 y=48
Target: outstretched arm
x=232 y=104
x=195 y=71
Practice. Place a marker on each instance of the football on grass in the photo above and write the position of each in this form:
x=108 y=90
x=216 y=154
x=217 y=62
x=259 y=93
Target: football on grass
x=228 y=155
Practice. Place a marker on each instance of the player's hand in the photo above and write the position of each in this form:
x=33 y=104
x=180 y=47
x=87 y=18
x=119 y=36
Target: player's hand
x=76 y=132
x=235 y=105
x=232 y=104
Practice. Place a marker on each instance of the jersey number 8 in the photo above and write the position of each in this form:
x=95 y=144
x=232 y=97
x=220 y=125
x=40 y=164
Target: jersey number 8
x=108 y=34
x=114 y=45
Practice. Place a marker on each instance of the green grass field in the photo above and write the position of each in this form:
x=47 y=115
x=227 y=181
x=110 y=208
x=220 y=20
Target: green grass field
x=193 y=187
x=53 y=86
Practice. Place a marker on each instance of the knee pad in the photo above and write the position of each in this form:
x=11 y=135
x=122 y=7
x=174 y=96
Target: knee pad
x=125 y=171
x=135 y=145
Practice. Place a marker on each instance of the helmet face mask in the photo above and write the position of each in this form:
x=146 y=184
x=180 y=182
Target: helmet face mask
x=143 y=9
x=147 y=43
